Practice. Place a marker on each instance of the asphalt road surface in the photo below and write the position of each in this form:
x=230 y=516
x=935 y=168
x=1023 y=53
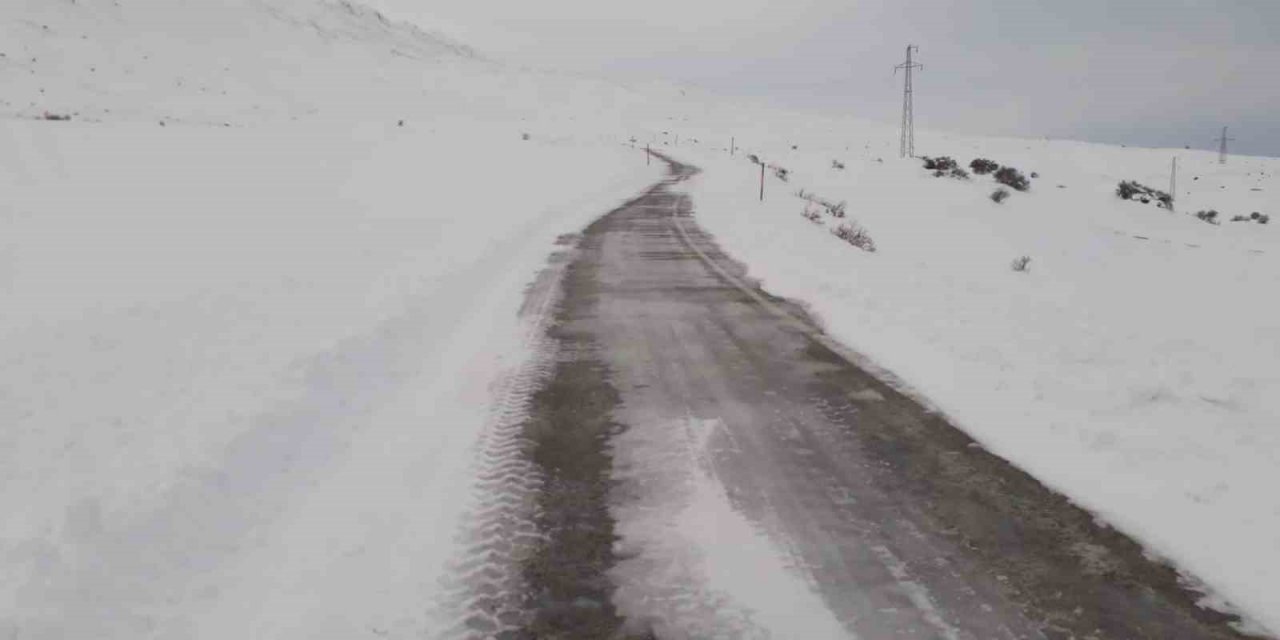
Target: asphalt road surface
x=899 y=523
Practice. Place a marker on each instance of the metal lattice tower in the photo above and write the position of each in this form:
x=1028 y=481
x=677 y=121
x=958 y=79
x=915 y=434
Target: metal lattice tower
x=1222 y=146
x=908 y=141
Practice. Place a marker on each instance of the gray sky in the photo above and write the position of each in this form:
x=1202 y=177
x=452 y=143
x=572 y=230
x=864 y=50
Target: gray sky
x=1140 y=72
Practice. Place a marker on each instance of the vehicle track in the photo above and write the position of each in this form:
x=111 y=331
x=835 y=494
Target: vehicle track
x=662 y=371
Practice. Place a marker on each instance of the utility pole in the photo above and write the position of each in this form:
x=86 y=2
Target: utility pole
x=1222 y=146
x=1173 y=184
x=908 y=141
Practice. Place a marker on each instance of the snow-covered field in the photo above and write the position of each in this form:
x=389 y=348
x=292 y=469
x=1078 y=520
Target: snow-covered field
x=246 y=354
x=1134 y=367
x=244 y=367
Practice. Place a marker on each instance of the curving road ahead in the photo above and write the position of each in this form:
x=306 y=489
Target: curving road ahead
x=683 y=398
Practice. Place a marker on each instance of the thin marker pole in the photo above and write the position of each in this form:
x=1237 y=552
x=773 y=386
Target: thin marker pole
x=762 y=181
x=648 y=157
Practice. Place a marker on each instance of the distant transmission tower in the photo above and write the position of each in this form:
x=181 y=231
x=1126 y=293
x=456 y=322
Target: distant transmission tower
x=908 y=142
x=1222 y=146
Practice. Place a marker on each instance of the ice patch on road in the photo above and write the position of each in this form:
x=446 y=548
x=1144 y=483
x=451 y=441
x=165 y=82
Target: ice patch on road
x=694 y=566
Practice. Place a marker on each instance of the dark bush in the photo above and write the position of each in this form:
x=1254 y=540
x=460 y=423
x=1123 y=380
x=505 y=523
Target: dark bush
x=836 y=164
x=854 y=234
x=983 y=166
x=812 y=215
x=1264 y=218
x=1240 y=219
x=941 y=163
x=1131 y=190
x=753 y=158
x=782 y=173
x=1012 y=178
x=999 y=195
x=1022 y=264
x=1034 y=175
x=1128 y=189
x=959 y=174
x=1209 y=216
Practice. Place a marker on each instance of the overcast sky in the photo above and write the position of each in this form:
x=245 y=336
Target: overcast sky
x=1142 y=72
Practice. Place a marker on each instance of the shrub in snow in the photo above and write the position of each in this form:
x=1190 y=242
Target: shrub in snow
x=1128 y=189
x=836 y=164
x=56 y=117
x=782 y=173
x=1240 y=218
x=524 y=136
x=983 y=166
x=1209 y=216
x=1263 y=218
x=753 y=158
x=854 y=234
x=1022 y=264
x=959 y=174
x=941 y=163
x=834 y=208
x=1013 y=178
x=999 y=195
x=812 y=215
x=1132 y=190
x=1034 y=175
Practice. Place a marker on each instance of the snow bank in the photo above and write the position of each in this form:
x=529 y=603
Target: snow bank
x=1134 y=368
x=255 y=293
x=243 y=368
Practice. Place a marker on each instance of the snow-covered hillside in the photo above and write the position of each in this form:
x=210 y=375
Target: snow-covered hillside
x=245 y=367
x=228 y=62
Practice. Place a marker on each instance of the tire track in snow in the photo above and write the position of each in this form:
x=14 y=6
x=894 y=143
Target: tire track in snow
x=484 y=591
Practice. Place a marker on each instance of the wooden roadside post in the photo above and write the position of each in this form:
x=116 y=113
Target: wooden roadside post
x=648 y=157
x=762 y=181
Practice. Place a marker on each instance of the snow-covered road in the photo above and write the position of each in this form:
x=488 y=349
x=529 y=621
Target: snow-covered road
x=759 y=484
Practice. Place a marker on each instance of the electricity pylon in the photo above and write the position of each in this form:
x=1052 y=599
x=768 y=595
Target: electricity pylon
x=1222 y=146
x=908 y=142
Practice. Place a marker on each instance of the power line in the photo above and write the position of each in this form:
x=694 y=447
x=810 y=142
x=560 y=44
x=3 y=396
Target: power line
x=908 y=141
x=1222 y=146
